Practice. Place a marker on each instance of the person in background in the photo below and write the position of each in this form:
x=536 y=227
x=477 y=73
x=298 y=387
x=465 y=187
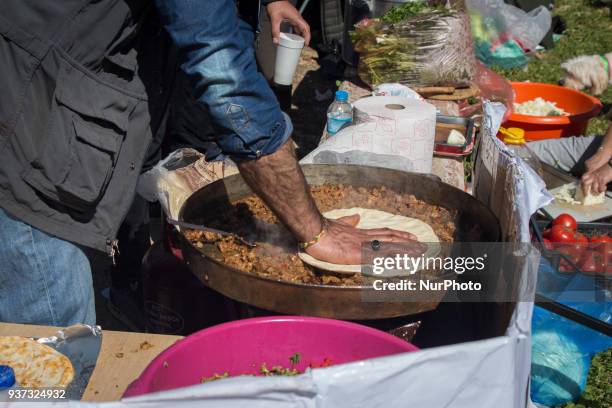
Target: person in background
x=188 y=125
x=85 y=93
x=587 y=157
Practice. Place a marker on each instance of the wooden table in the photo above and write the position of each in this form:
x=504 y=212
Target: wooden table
x=122 y=358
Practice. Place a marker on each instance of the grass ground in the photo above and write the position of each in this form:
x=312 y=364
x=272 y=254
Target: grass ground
x=589 y=32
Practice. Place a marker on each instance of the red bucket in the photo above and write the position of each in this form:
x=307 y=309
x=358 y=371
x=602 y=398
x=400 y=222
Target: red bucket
x=581 y=107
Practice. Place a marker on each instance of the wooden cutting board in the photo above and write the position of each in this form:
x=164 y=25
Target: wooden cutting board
x=579 y=212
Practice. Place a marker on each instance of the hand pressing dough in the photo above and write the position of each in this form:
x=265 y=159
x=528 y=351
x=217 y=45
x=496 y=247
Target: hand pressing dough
x=370 y=219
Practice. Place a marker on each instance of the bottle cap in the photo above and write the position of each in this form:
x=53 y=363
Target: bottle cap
x=342 y=96
x=514 y=136
x=7 y=376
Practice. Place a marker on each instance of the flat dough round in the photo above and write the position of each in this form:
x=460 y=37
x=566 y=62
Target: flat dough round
x=370 y=219
x=36 y=365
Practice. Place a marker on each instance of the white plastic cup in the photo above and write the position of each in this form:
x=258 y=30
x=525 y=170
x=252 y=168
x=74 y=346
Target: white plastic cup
x=287 y=57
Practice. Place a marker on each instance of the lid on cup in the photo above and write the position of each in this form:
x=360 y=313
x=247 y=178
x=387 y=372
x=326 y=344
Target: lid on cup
x=289 y=40
x=7 y=377
x=342 y=96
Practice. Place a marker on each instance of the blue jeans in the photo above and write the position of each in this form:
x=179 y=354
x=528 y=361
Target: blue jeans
x=43 y=279
x=216 y=53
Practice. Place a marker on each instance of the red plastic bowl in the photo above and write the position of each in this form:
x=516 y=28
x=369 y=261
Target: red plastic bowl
x=581 y=107
x=241 y=347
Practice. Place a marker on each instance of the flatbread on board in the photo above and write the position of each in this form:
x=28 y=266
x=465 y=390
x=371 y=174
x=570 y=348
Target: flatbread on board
x=36 y=365
x=370 y=219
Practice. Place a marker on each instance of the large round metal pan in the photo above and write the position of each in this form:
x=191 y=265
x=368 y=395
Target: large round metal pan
x=475 y=223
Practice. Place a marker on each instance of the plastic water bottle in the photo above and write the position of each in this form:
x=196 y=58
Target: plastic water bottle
x=339 y=114
x=7 y=382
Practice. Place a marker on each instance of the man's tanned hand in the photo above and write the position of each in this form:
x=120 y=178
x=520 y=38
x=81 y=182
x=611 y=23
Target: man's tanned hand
x=278 y=180
x=599 y=171
x=342 y=244
x=282 y=10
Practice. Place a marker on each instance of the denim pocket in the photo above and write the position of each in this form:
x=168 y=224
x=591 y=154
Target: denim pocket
x=85 y=131
x=247 y=138
x=238 y=116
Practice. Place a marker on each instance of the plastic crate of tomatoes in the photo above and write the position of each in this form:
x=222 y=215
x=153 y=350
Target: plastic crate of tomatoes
x=575 y=247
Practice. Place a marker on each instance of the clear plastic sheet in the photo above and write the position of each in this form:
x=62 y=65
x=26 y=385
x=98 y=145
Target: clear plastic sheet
x=492 y=87
x=176 y=177
x=562 y=352
x=430 y=49
x=503 y=32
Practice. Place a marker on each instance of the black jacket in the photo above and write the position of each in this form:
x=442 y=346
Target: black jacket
x=83 y=90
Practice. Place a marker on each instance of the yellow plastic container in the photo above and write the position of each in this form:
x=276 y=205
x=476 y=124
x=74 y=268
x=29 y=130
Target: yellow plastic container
x=512 y=136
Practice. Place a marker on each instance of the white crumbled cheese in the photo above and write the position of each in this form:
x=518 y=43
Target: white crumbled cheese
x=589 y=199
x=571 y=193
x=566 y=193
x=455 y=138
x=539 y=107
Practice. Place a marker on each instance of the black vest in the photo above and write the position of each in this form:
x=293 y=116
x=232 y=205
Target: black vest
x=84 y=89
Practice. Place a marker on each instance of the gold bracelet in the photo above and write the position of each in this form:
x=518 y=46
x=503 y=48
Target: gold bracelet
x=317 y=238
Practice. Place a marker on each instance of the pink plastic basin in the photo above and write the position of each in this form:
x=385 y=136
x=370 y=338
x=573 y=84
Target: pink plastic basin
x=241 y=347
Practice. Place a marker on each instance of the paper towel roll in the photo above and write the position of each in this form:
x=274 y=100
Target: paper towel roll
x=396 y=126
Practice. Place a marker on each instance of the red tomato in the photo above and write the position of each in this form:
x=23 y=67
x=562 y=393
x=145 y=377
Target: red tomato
x=598 y=239
x=603 y=245
x=565 y=220
x=548 y=244
x=573 y=253
x=565 y=266
x=558 y=233
x=580 y=238
x=592 y=262
x=605 y=249
x=579 y=246
x=546 y=233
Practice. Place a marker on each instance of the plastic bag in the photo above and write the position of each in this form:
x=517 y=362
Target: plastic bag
x=561 y=356
x=429 y=49
x=395 y=89
x=493 y=87
x=562 y=349
x=175 y=178
x=502 y=32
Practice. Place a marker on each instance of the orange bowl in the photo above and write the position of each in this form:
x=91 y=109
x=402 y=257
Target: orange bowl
x=581 y=107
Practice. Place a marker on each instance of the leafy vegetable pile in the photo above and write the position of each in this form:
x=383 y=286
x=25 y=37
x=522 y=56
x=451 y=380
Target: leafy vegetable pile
x=276 y=370
x=598 y=390
x=405 y=10
x=417 y=45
